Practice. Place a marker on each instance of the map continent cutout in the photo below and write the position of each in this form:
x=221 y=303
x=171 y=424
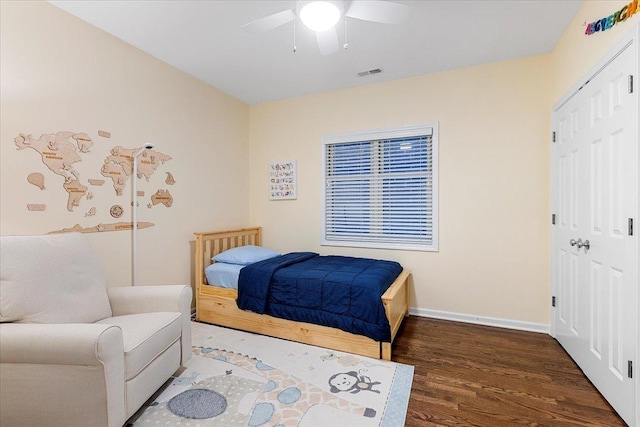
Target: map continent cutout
x=76 y=191
x=119 y=165
x=103 y=227
x=59 y=151
x=162 y=196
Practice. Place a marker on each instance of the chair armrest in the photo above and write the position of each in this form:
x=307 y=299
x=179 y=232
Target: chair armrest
x=149 y=299
x=56 y=374
x=60 y=344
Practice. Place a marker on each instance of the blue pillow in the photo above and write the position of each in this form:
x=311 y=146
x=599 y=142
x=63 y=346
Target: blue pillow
x=245 y=255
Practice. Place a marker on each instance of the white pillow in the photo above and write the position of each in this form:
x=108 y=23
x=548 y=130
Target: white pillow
x=53 y=278
x=245 y=255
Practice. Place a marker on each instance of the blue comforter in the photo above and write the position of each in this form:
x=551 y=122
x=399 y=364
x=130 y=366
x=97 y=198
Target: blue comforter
x=336 y=291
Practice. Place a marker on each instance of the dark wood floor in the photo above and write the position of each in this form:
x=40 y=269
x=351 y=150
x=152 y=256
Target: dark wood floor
x=469 y=375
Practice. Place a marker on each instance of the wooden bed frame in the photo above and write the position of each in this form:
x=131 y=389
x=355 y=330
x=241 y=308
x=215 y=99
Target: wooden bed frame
x=217 y=305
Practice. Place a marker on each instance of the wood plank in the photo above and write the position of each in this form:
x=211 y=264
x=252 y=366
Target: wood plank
x=396 y=302
x=471 y=375
x=225 y=312
x=231 y=233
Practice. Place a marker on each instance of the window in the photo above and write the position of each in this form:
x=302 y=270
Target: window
x=380 y=189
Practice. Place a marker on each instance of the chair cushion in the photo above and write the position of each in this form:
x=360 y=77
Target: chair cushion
x=146 y=336
x=51 y=279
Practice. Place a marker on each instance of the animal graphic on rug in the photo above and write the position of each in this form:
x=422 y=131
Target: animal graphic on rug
x=351 y=382
x=285 y=398
x=190 y=380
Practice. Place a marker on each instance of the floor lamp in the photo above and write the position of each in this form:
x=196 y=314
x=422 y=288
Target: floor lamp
x=134 y=177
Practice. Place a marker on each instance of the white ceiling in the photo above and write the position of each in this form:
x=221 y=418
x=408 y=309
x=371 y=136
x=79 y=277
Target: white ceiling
x=204 y=39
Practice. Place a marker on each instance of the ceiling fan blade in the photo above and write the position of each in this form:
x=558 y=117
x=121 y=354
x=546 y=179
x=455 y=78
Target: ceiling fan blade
x=270 y=22
x=384 y=12
x=328 y=41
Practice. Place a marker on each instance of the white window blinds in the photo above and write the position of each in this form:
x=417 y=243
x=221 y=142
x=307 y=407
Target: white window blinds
x=380 y=191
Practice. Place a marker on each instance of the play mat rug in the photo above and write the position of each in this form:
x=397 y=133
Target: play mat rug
x=241 y=379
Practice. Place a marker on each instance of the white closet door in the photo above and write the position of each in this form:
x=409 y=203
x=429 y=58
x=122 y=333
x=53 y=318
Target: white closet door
x=570 y=185
x=595 y=185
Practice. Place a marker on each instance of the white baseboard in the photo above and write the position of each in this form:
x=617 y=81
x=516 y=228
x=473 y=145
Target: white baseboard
x=542 y=328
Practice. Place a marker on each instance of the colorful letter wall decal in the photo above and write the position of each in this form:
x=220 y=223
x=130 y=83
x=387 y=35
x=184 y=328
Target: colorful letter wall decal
x=621 y=15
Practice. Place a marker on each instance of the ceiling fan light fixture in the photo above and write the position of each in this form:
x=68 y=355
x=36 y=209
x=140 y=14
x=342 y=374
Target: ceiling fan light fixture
x=319 y=15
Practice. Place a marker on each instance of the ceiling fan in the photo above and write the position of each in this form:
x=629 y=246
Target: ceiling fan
x=322 y=17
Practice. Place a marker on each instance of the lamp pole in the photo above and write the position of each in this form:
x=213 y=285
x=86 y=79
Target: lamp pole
x=134 y=261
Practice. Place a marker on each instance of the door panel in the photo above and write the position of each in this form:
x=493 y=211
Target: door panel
x=571 y=122
x=595 y=309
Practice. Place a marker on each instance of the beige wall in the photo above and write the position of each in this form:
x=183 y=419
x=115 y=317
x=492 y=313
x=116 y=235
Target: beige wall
x=494 y=168
x=61 y=74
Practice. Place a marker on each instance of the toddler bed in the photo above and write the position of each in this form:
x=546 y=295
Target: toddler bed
x=218 y=302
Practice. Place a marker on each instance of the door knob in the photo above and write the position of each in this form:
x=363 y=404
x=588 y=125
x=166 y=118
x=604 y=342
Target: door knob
x=584 y=244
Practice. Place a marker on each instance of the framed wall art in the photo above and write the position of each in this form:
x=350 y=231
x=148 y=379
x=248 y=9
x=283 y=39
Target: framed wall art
x=282 y=180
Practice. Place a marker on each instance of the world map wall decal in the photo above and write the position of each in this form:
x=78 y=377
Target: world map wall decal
x=62 y=150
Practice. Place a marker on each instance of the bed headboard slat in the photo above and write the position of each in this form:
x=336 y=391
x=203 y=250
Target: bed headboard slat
x=211 y=243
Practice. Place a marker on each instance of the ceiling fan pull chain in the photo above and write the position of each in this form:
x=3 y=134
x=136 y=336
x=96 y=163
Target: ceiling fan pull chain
x=346 y=44
x=294 y=37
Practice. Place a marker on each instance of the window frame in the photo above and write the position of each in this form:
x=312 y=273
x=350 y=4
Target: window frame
x=385 y=134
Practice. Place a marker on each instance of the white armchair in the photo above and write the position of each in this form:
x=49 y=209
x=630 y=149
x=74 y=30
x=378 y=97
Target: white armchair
x=74 y=352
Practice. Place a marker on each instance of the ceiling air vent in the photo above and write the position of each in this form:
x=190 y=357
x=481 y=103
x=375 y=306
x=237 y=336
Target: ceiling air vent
x=369 y=72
